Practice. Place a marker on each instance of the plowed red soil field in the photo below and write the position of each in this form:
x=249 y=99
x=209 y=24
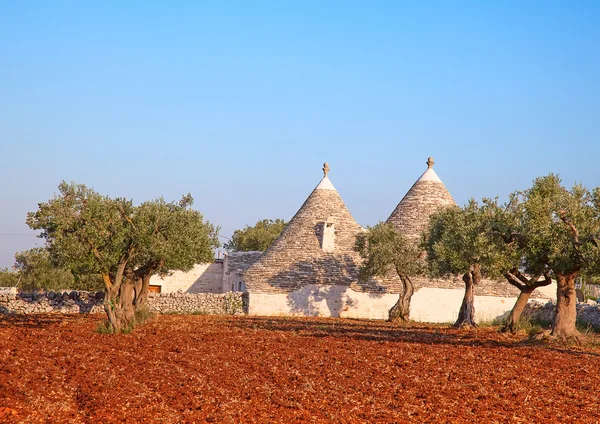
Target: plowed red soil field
x=229 y=369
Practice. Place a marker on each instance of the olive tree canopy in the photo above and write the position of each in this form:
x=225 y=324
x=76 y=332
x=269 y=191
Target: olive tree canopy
x=123 y=243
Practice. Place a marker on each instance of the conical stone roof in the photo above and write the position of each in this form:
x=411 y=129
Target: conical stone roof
x=297 y=258
x=426 y=196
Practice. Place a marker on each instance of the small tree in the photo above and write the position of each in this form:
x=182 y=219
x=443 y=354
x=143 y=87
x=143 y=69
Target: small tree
x=458 y=242
x=384 y=250
x=561 y=228
x=111 y=237
x=256 y=238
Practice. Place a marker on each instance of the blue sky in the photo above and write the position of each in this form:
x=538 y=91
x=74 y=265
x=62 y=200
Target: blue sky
x=240 y=103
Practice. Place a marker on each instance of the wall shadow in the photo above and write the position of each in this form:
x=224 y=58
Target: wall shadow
x=333 y=275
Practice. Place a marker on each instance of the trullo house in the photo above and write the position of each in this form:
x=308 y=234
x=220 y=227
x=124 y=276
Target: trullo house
x=312 y=269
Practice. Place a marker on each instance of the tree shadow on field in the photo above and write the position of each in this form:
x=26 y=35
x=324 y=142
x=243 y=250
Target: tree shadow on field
x=33 y=321
x=380 y=331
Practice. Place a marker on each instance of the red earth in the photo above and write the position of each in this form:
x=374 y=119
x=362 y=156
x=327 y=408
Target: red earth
x=246 y=369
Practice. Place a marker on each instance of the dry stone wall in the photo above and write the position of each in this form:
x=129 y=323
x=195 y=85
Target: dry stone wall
x=76 y=302
x=588 y=313
x=202 y=303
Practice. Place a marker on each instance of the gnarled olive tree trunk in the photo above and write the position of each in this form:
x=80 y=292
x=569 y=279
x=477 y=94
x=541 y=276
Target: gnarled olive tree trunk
x=563 y=326
x=141 y=285
x=119 y=309
x=466 y=315
x=401 y=310
x=512 y=321
x=526 y=286
x=141 y=278
x=118 y=301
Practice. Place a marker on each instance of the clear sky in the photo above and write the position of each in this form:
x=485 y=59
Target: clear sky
x=240 y=103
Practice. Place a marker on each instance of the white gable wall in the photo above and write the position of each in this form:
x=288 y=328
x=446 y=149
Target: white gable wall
x=203 y=278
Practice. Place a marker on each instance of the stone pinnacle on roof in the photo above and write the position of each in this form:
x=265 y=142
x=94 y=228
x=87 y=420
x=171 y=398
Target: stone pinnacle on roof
x=325 y=183
x=425 y=197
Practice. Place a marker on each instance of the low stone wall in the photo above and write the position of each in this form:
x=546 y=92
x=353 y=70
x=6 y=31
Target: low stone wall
x=201 y=303
x=587 y=313
x=76 y=302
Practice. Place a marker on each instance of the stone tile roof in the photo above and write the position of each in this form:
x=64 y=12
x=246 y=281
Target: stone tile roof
x=296 y=258
x=238 y=262
x=427 y=195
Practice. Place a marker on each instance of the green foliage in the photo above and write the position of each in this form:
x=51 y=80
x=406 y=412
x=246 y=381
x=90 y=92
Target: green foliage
x=458 y=238
x=561 y=227
x=105 y=328
x=171 y=236
x=37 y=271
x=94 y=234
x=384 y=249
x=143 y=315
x=234 y=305
x=8 y=278
x=85 y=230
x=256 y=238
x=533 y=325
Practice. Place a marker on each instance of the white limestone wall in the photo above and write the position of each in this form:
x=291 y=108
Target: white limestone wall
x=324 y=301
x=203 y=278
x=442 y=305
x=427 y=304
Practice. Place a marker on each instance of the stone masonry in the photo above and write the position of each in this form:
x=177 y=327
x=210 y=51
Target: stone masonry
x=76 y=302
x=427 y=195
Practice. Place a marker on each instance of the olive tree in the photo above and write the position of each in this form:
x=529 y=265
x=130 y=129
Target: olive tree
x=560 y=228
x=457 y=242
x=118 y=240
x=384 y=250
x=8 y=278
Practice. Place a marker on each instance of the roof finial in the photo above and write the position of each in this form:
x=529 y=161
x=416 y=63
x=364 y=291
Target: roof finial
x=430 y=162
x=325 y=169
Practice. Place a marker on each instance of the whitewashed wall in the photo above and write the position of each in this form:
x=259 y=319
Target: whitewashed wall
x=443 y=305
x=427 y=304
x=325 y=301
x=203 y=278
